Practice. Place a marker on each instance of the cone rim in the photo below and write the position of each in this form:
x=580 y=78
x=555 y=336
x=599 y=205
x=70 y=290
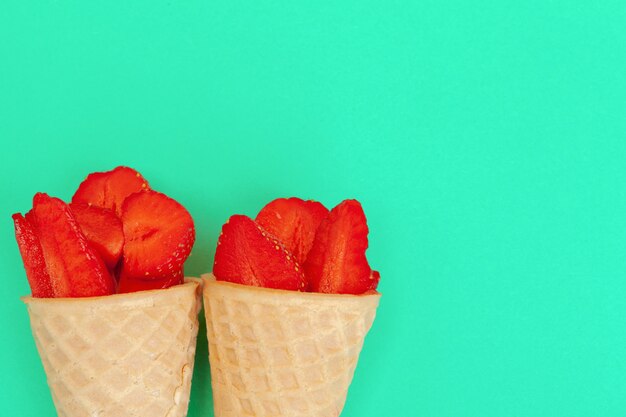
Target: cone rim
x=210 y=280
x=114 y=298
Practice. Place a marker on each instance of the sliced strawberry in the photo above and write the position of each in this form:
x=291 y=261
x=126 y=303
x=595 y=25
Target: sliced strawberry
x=293 y=221
x=159 y=234
x=374 y=279
x=75 y=268
x=337 y=262
x=103 y=230
x=30 y=217
x=132 y=284
x=109 y=189
x=32 y=255
x=247 y=254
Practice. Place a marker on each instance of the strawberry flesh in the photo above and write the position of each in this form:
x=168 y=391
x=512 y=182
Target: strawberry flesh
x=103 y=230
x=32 y=255
x=294 y=221
x=134 y=284
x=159 y=234
x=75 y=268
x=248 y=254
x=109 y=189
x=337 y=262
x=374 y=279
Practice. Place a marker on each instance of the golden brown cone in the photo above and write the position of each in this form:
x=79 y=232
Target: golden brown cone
x=283 y=353
x=120 y=355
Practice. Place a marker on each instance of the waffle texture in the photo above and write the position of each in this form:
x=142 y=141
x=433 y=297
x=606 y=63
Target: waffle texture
x=124 y=355
x=283 y=353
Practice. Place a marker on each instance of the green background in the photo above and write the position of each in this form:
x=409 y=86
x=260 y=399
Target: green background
x=486 y=141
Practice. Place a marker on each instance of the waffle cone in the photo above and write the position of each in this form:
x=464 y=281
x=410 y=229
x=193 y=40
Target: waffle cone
x=283 y=353
x=120 y=355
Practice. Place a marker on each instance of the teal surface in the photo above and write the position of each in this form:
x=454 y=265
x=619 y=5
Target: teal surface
x=486 y=141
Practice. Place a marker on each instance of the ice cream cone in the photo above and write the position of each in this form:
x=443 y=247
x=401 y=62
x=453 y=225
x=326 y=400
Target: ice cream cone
x=283 y=353
x=120 y=355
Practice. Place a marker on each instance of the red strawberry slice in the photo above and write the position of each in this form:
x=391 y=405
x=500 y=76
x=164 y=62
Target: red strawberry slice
x=374 y=280
x=103 y=230
x=159 y=234
x=337 y=262
x=30 y=217
x=247 y=254
x=32 y=255
x=75 y=268
x=132 y=284
x=109 y=189
x=293 y=221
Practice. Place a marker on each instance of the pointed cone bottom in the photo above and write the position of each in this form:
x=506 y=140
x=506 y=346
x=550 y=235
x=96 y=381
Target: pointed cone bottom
x=120 y=355
x=283 y=353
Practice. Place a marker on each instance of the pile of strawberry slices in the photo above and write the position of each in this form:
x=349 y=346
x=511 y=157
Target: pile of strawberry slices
x=116 y=235
x=298 y=245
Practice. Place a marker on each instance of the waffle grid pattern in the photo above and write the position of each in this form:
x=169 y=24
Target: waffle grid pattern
x=282 y=354
x=106 y=359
